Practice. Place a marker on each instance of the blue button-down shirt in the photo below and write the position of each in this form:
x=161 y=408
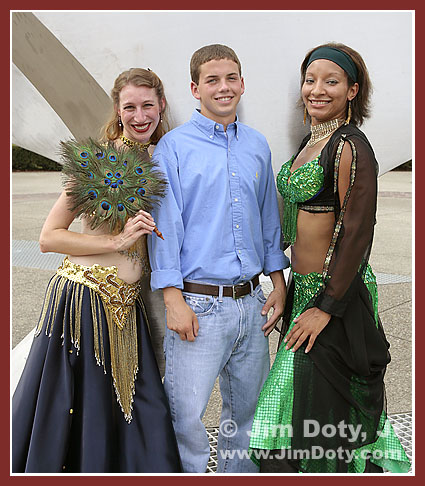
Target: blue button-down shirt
x=220 y=217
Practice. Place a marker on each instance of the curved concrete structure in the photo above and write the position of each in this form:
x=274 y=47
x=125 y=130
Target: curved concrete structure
x=72 y=59
x=67 y=87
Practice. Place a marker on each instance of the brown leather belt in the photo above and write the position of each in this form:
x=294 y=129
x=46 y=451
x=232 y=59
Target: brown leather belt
x=234 y=291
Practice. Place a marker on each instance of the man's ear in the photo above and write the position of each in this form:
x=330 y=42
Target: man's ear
x=194 y=90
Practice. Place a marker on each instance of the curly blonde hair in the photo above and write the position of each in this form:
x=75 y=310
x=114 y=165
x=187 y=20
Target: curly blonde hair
x=137 y=77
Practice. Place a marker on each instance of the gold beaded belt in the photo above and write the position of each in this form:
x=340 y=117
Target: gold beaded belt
x=117 y=298
x=117 y=295
x=234 y=291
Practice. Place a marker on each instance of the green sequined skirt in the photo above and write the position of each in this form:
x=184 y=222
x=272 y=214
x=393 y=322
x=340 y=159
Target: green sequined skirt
x=274 y=424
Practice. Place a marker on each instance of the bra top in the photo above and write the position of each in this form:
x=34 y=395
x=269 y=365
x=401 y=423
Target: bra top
x=302 y=189
x=302 y=185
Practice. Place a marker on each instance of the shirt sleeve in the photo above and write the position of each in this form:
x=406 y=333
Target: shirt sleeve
x=355 y=231
x=164 y=255
x=274 y=257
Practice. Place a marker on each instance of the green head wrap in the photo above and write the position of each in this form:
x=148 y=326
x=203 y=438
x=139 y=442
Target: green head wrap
x=337 y=56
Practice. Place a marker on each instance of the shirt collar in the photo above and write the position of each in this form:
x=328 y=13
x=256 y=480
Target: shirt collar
x=210 y=127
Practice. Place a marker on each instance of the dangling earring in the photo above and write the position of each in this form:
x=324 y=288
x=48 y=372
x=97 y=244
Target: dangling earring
x=120 y=122
x=347 y=121
x=160 y=118
x=305 y=114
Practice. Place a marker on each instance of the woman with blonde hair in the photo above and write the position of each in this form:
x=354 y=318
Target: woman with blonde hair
x=90 y=398
x=114 y=129
x=123 y=133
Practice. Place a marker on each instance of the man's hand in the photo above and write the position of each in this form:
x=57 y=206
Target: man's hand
x=180 y=317
x=276 y=300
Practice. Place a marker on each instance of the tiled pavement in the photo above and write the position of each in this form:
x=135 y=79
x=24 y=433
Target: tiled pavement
x=401 y=422
x=33 y=194
x=27 y=254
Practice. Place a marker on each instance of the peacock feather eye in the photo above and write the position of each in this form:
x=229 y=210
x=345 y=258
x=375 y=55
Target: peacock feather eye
x=110 y=183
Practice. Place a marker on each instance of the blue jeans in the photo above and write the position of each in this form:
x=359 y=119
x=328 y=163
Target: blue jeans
x=231 y=345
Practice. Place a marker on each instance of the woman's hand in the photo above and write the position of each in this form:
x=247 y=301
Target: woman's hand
x=137 y=226
x=56 y=237
x=308 y=325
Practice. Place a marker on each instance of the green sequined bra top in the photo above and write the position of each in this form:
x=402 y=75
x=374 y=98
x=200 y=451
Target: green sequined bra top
x=297 y=189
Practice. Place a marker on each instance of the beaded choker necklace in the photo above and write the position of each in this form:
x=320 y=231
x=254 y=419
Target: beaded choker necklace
x=132 y=143
x=321 y=131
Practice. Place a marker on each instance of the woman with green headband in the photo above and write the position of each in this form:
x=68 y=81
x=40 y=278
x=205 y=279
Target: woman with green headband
x=322 y=407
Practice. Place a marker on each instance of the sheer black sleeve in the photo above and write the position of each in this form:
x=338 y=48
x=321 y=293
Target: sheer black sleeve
x=353 y=234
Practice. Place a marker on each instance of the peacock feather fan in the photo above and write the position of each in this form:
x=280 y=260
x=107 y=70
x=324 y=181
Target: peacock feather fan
x=108 y=183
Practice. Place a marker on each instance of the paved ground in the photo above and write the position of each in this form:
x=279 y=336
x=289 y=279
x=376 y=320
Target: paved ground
x=34 y=193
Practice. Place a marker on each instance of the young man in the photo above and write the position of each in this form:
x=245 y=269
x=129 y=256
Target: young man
x=221 y=226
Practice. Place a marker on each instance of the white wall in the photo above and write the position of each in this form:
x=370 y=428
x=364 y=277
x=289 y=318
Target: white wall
x=271 y=46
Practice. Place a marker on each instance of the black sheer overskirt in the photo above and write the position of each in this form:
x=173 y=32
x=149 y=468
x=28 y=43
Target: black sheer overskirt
x=339 y=393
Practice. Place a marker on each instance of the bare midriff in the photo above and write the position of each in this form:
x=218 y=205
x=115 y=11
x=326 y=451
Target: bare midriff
x=314 y=234
x=128 y=270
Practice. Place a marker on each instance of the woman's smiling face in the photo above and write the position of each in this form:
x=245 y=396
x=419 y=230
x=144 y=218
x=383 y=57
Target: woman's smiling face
x=325 y=91
x=140 y=112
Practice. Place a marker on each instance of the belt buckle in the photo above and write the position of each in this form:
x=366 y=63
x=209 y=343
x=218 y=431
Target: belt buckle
x=234 y=287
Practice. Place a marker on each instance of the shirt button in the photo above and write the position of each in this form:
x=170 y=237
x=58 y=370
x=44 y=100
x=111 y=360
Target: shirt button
x=217 y=127
x=237 y=226
x=233 y=174
x=239 y=251
x=236 y=199
x=211 y=136
x=71 y=411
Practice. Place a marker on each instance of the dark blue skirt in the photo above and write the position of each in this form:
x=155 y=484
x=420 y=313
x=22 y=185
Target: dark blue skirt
x=65 y=413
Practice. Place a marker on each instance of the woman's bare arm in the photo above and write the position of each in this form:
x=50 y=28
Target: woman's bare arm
x=56 y=237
